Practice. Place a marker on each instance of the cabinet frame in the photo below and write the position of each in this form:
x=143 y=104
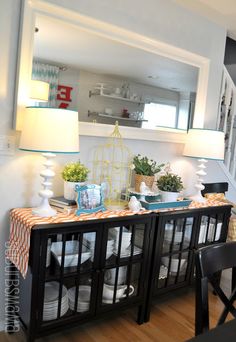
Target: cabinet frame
x=32 y=288
x=37 y=274
x=211 y=212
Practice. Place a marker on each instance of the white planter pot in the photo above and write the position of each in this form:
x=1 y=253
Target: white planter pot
x=168 y=196
x=69 y=189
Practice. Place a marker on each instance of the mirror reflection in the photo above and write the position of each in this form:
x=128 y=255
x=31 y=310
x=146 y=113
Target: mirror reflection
x=105 y=80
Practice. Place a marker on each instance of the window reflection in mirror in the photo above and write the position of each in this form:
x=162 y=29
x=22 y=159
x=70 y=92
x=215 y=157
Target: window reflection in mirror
x=160 y=91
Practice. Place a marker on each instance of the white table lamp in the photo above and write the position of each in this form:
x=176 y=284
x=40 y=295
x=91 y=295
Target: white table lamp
x=203 y=144
x=49 y=130
x=39 y=90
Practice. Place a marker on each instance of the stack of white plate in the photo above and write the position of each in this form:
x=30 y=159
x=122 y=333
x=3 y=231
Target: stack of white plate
x=89 y=241
x=48 y=258
x=51 y=296
x=83 y=298
x=110 y=248
x=139 y=237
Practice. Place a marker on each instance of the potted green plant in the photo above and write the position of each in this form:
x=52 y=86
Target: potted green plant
x=170 y=185
x=145 y=170
x=73 y=173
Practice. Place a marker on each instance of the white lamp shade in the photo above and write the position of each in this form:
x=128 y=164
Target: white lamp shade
x=205 y=144
x=39 y=90
x=50 y=130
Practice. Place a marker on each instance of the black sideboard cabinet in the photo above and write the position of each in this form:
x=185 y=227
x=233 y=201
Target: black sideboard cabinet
x=81 y=270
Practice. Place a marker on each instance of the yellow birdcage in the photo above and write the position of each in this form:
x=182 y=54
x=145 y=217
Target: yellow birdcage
x=112 y=166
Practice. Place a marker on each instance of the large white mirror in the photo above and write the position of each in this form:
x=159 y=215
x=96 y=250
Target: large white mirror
x=108 y=74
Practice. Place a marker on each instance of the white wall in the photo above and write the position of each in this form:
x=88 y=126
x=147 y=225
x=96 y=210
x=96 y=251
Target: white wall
x=160 y=19
x=84 y=81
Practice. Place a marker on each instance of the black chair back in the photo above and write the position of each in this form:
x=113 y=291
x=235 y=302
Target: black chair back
x=211 y=260
x=215 y=187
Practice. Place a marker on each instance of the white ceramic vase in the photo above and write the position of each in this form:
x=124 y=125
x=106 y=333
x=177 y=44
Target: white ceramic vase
x=168 y=196
x=69 y=189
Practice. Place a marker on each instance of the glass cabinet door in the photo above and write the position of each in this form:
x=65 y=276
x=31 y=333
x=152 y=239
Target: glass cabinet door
x=210 y=229
x=175 y=251
x=125 y=255
x=68 y=275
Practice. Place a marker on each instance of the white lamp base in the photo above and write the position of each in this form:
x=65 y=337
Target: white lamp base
x=199 y=186
x=45 y=210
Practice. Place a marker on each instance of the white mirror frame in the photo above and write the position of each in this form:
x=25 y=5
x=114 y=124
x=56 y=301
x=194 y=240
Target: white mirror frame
x=29 y=10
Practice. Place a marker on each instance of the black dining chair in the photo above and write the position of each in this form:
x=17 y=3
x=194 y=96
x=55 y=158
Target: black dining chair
x=221 y=187
x=210 y=260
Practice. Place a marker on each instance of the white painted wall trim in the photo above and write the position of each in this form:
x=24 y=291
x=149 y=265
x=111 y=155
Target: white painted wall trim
x=104 y=130
x=228 y=176
x=32 y=7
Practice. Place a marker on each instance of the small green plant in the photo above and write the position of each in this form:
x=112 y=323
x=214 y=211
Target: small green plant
x=75 y=172
x=170 y=182
x=146 y=167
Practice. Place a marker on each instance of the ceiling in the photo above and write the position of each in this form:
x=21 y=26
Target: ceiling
x=222 y=12
x=65 y=44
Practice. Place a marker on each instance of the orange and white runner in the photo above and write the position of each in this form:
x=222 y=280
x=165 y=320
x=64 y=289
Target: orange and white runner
x=22 y=221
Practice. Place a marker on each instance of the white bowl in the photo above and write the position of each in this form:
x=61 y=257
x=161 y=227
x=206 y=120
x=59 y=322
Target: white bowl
x=71 y=253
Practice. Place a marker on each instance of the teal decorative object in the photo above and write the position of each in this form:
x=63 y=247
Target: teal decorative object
x=164 y=205
x=90 y=198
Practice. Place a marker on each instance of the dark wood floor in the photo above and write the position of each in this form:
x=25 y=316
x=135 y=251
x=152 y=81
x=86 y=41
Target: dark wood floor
x=172 y=320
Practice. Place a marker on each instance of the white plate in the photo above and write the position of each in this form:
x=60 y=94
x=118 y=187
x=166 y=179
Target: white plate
x=79 y=308
x=51 y=291
x=48 y=316
x=55 y=305
x=84 y=293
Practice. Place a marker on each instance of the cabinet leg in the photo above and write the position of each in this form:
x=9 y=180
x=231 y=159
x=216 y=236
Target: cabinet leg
x=147 y=316
x=30 y=338
x=141 y=314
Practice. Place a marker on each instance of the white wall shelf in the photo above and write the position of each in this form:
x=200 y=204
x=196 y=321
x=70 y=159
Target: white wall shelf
x=117 y=117
x=115 y=97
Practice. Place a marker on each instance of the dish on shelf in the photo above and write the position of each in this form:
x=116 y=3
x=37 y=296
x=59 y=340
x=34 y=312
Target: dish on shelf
x=163 y=272
x=48 y=257
x=127 y=252
x=149 y=196
x=175 y=261
x=169 y=235
x=51 y=296
x=71 y=253
x=149 y=193
x=89 y=240
x=83 y=301
x=117 y=95
x=109 y=301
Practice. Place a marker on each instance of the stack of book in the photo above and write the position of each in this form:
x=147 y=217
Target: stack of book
x=63 y=205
